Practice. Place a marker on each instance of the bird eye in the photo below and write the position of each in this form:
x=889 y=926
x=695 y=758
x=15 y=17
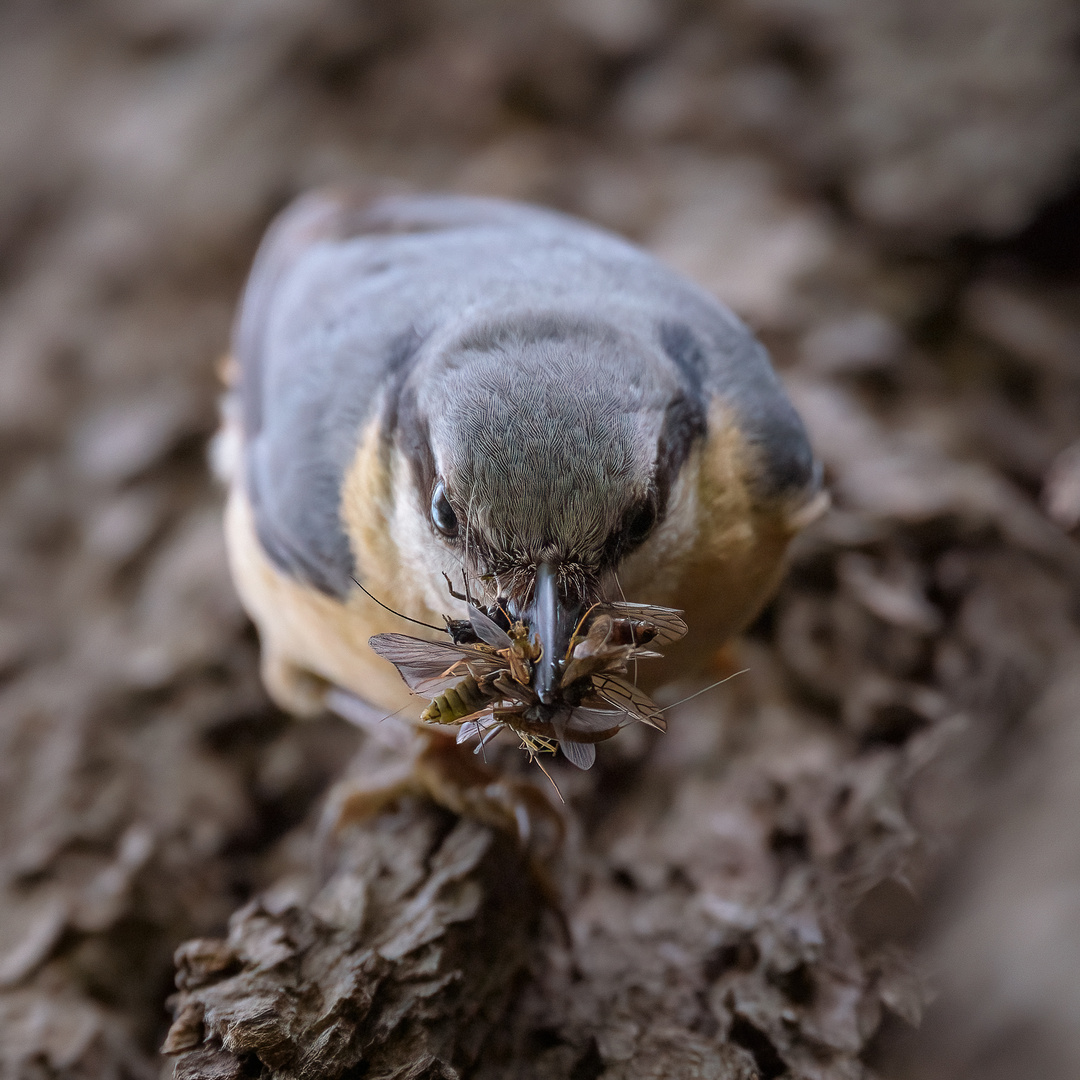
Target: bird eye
x=442 y=513
x=640 y=523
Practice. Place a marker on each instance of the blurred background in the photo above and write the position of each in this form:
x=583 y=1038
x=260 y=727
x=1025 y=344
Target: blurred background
x=888 y=192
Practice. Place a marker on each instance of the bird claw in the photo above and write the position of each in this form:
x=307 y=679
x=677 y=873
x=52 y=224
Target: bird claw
x=449 y=775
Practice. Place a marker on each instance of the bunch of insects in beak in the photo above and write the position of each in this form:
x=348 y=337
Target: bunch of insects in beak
x=483 y=679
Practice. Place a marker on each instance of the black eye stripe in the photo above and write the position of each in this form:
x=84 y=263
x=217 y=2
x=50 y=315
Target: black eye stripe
x=640 y=522
x=442 y=513
x=635 y=528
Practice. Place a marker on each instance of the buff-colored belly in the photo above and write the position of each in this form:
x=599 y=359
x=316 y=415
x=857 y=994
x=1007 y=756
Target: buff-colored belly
x=308 y=639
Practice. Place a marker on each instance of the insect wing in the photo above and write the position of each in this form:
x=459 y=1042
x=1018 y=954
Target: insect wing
x=430 y=666
x=593 y=721
x=581 y=754
x=594 y=725
x=626 y=696
x=596 y=640
x=487 y=630
x=667 y=622
x=580 y=667
x=482 y=727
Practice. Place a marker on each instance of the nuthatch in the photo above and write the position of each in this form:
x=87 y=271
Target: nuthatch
x=433 y=387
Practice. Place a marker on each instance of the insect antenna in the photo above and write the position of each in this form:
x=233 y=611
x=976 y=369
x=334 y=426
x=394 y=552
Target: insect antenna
x=540 y=765
x=580 y=624
x=615 y=574
x=485 y=738
x=407 y=618
x=711 y=686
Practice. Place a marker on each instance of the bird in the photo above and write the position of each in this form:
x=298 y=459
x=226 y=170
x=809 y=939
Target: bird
x=430 y=388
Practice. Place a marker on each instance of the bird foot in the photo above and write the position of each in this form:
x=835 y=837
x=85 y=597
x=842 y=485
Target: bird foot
x=431 y=765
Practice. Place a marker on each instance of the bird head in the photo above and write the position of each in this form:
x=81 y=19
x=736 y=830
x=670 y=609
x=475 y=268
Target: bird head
x=542 y=452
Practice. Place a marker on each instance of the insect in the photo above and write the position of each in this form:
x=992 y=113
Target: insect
x=483 y=680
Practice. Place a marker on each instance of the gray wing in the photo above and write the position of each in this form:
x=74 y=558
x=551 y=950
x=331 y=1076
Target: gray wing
x=312 y=368
x=342 y=290
x=346 y=294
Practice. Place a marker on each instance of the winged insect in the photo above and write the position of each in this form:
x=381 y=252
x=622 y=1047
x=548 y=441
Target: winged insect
x=482 y=680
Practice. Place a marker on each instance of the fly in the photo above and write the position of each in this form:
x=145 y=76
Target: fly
x=483 y=680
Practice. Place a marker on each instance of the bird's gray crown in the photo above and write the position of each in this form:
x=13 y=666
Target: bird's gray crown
x=545 y=432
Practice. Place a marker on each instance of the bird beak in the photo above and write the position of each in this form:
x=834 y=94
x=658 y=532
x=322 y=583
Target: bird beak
x=553 y=622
